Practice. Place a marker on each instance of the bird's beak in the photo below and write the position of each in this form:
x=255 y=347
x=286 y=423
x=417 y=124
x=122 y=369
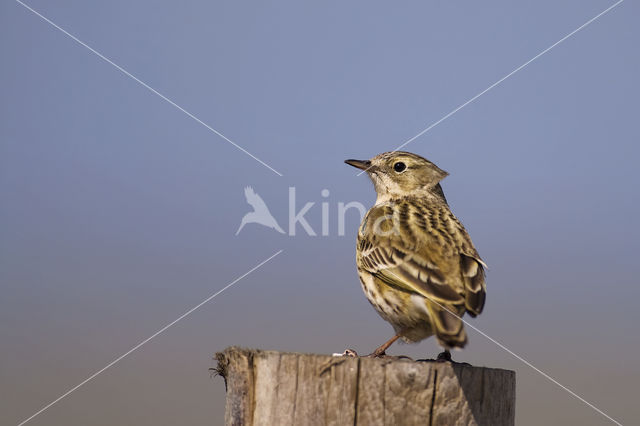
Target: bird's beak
x=359 y=164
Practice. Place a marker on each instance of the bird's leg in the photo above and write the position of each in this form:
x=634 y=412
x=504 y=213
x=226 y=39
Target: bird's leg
x=380 y=352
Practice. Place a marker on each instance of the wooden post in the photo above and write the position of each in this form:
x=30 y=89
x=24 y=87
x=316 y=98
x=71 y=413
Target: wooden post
x=275 y=388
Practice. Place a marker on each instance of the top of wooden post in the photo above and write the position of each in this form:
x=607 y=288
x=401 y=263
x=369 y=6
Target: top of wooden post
x=269 y=387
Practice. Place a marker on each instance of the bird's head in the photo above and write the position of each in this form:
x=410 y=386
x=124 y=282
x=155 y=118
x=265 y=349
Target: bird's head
x=397 y=173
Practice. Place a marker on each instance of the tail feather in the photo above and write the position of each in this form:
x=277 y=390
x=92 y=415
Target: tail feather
x=448 y=325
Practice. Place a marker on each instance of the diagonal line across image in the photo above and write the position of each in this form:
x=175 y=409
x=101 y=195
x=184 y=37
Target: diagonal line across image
x=518 y=357
x=145 y=85
x=145 y=341
x=195 y=118
x=459 y=107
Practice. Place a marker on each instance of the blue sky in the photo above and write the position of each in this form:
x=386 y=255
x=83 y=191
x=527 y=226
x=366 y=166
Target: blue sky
x=119 y=210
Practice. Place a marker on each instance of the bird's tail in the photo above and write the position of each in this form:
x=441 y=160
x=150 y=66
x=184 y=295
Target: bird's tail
x=448 y=325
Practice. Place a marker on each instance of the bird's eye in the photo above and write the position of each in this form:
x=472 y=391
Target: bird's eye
x=399 y=167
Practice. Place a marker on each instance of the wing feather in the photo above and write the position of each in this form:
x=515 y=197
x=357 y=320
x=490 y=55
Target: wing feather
x=475 y=287
x=422 y=260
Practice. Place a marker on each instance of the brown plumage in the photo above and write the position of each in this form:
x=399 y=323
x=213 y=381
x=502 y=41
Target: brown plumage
x=416 y=262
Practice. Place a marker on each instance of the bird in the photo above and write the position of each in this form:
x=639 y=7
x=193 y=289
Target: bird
x=260 y=213
x=416 y=262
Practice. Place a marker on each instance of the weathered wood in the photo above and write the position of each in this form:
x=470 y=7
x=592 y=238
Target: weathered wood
x=275 y=388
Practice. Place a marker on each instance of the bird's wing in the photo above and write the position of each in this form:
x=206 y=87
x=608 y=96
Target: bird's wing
x=472 y=268
x=475 y=287
x=419 y=251
x=254 y=199
x=415 y=256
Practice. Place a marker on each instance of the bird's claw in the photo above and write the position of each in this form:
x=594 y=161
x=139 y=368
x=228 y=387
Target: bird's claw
x=376 y=354
x=444 y=357
x=353 y=354
x=350 y=353
x=380 y=355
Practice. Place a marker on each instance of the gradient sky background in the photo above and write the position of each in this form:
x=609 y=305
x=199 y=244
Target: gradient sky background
x=118 y=211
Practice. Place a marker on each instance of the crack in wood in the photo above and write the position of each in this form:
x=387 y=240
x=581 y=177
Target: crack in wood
x=268 y=388
x=433 y=396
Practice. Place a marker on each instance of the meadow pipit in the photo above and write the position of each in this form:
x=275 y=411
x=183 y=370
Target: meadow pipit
x=416 y=262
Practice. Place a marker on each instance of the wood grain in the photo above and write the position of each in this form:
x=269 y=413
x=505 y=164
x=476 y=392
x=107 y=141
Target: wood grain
x=276 y=388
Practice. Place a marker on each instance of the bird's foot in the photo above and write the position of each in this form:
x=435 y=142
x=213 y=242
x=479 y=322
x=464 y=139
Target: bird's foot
x=444 y=357
x=376 y=354
x=383 y=355
x=350 y=353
